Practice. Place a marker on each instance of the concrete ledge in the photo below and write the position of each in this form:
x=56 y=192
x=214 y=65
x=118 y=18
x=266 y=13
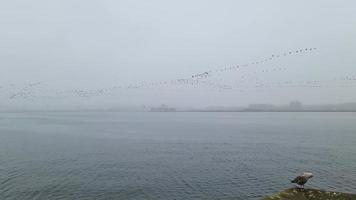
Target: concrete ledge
x=310 y=194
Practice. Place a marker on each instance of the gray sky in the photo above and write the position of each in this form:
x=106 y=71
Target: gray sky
x=86 y=44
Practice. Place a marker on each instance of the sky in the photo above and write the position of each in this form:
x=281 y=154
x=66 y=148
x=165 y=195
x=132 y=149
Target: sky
x=71 y=45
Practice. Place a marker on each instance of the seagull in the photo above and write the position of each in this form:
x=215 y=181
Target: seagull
x=303 y=179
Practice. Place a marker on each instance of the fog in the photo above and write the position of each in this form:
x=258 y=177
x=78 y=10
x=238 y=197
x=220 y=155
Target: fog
x=50 y=50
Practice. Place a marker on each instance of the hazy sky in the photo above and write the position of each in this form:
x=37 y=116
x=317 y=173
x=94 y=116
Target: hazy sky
x=87 y=44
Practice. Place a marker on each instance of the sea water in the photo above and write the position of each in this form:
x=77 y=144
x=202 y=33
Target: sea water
x=176 y=155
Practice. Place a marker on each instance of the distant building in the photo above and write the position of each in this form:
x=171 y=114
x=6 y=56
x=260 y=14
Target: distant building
x=295 y=105
x=163 y=108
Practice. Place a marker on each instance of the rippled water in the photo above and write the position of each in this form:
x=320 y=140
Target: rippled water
x=103 y=155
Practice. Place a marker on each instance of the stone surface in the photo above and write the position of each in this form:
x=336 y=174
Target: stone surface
x=309 y=194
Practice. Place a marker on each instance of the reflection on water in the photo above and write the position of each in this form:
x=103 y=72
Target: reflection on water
x=68 y=155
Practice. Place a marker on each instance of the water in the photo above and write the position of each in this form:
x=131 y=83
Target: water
x=107 y=155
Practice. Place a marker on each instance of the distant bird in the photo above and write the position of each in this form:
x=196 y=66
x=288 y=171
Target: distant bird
x=303 y=179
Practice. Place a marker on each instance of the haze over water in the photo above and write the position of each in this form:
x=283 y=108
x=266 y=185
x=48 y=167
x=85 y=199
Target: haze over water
x=123 y=55
x=63 y=54
x=108 y=155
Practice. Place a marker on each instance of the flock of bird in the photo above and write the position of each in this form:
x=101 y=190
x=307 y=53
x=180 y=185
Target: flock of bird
x=211 y=79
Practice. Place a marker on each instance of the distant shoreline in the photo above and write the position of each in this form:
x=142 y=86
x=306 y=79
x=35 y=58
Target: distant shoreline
x=190 y=111
x=254 y=111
